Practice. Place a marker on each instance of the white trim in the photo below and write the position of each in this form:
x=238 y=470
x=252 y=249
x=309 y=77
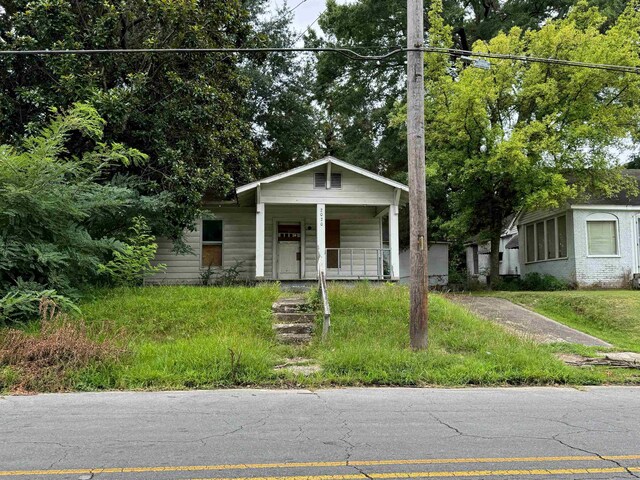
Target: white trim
x=606 y=207
x=636 y=226
x=544 y=221
x=599 y=218
x=321 y=220
x=203 y=243
x=260 y=217
x=328 y=179
x=382 y=213
x=276 y=247
x=317 y=163
x=394 y=242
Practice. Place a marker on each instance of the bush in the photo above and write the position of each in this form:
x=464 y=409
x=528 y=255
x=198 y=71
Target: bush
x=534 y=282
x=43 y=361
x=23 y=301
x=132 y=263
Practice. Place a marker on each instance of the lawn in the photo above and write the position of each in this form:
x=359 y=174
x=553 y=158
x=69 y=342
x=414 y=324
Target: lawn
x=612 y=315
x=196 y=337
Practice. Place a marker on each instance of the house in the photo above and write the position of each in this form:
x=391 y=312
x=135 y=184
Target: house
x=595 y=243
x=478 y=254
x=438 y=264
x=326 y=214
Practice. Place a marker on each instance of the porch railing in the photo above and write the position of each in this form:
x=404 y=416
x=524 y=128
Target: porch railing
x=371 y=263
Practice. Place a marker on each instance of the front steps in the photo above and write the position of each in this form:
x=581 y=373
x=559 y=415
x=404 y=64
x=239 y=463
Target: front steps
x=293 y=321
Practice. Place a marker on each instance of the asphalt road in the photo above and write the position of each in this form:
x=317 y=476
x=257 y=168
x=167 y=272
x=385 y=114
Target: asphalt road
x=345 y=434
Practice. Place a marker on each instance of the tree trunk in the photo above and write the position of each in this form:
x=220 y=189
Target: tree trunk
x=494 y=266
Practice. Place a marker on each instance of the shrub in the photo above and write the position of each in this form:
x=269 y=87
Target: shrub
x=43 y=361
x=22 y=302
x=534 y=282
x=132 y=263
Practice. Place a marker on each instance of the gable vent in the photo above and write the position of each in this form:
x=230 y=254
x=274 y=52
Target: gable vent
x=336 y=180
x=320 y=180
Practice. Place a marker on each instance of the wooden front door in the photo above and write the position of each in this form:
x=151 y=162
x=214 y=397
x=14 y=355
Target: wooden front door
x=332 y=238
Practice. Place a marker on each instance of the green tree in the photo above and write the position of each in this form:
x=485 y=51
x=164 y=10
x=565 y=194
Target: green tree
x=186 y=111
x=531 y=135
x=60 y=217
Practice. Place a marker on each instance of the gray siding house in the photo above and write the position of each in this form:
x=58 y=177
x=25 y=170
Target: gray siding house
x=327 y=214
x=591 y=244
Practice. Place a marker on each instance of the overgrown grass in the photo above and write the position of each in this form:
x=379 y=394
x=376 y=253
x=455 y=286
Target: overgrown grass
x=195 y=337
x=612 y=315
x=370 y=335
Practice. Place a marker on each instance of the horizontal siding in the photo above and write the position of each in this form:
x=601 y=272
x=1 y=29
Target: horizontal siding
x=299 y=189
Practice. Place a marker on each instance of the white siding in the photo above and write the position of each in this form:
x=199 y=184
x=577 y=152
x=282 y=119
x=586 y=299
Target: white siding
x=299 y=189
x=438 y=265
x=238 y=244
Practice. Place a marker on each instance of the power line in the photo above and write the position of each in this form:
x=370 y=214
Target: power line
x=347 y=52
x=292 y=9
x=309 y=26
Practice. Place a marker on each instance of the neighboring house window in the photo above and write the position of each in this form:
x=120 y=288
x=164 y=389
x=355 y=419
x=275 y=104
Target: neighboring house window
x=546 y=240
x=211 y=243
x=320 y=180
x=602 y=234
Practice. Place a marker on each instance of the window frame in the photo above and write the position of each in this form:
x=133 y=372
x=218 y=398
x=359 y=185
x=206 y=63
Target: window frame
x=324 y=183
x=209 y=242
x=545 y=234
x=602 y=218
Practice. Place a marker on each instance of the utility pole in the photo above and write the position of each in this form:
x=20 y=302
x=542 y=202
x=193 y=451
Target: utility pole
x=419 y=309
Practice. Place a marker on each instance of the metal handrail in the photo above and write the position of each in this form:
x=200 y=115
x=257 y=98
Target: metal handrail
x=324 y=295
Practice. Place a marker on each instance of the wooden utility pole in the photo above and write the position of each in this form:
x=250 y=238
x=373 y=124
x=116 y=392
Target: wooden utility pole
x=419 y=314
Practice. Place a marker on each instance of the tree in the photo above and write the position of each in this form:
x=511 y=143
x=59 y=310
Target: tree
x=186 y=111
x=60 y=218
x=280 y=100
x=531 y=135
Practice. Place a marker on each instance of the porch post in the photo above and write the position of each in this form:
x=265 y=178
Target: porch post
x=259 y=240
x=320 y=237
x=394 y=242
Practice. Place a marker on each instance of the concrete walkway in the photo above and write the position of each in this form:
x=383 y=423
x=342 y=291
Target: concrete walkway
x=524 y=322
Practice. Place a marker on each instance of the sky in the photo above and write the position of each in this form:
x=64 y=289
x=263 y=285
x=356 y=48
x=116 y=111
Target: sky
x=306 y=13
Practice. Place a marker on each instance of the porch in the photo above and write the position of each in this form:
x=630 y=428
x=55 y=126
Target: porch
x=296 y=242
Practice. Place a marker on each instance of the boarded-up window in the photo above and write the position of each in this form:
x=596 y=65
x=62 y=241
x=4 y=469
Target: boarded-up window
x=212 y=243
x=602 y=237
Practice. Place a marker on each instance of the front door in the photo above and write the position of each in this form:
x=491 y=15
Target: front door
x=332 y=238
x=289 y=236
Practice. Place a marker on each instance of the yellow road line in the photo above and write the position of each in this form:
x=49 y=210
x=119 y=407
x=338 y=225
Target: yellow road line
x=459 y=473
x=250 y=466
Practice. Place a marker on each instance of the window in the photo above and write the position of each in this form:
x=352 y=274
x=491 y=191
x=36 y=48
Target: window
x=211 y=243
x=336 y=180
x=546 y=240
x=320 y=180
x=602 y=237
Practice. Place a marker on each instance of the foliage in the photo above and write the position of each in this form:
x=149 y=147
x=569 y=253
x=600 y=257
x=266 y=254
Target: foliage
x=531 y=135
x=22 y=302
x=534 y=282
x=132 y=263
x=608 y=314
x=187 y=112
x=280 y=98
x=59 y=216
x=223 y=276
x=41 y=361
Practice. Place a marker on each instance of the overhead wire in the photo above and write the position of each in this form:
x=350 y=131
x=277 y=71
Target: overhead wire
x=347 y=52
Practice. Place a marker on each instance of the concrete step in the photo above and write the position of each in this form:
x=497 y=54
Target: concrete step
x=305 y=328
x=293 y=338
x=292 y=305
x=295 y=317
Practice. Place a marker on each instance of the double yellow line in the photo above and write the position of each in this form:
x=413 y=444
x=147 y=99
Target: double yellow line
x=363 y=463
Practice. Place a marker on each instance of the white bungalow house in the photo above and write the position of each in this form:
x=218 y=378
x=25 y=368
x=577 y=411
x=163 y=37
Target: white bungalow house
x=326 y=214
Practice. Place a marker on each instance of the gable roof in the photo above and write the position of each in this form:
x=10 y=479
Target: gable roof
x=318 y=163
x=622 y=198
